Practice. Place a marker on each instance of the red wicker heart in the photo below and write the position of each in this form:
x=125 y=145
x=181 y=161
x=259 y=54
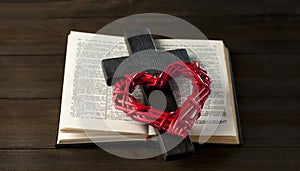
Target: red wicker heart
x=177 y=122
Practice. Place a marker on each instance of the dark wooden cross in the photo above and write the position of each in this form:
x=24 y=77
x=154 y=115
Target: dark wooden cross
x=139 y=41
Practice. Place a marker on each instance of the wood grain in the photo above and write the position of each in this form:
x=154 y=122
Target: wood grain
x=117 y=8
x=250 y=35
x=206 y=158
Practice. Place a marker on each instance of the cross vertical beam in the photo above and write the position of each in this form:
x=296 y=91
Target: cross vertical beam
x=138 y=41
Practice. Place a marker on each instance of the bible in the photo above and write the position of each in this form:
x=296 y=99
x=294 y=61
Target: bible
x=87 y=111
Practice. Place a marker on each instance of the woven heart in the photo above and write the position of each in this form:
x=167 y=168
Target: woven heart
x=177 y=122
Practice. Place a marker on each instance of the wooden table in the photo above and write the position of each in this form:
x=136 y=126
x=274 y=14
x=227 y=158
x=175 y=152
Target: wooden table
x=264 y=39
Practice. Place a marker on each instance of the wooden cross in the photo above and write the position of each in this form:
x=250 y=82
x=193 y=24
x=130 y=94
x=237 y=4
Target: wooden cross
x=138 y=41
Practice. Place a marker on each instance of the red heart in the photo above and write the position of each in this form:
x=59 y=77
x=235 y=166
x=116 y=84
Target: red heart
x=177 y=122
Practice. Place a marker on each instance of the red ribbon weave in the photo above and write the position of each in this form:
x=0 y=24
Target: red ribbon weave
x=177 y=122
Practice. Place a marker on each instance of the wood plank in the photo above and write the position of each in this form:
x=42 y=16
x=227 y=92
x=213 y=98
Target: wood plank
x=266 y=75
x=31 y=76
x=113 y=8
x=206 y=158
x=251 y=35
x=266 y=122
x=269 y=120
x=28 y=123
x=255 y=75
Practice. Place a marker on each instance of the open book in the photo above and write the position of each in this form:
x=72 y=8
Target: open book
x=87 y=111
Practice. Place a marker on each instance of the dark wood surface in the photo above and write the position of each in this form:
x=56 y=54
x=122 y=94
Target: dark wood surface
x=264 y=39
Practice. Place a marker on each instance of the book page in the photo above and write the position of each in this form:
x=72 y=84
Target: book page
x=217 y=115
x=86 y=100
